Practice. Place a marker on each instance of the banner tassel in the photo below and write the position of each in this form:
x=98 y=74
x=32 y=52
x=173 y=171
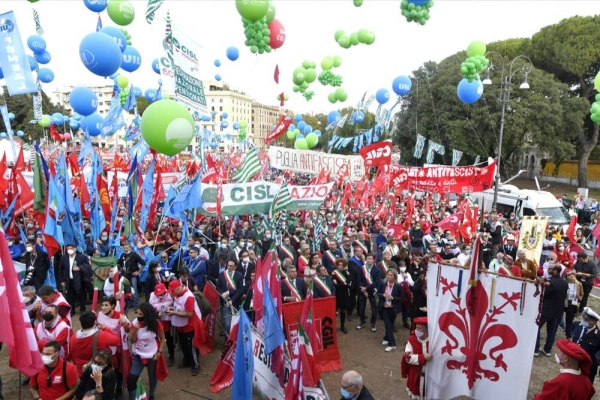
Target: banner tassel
x=492 y=295
x=437 y=284
x=522 y=300
x=460 y=281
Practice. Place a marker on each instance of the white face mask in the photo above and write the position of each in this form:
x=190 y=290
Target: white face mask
x=467 y=252
x=158 y=269
x=71 y=252
x=402 y=269
x=419 y=334
x=29 y=249
x=557 y=358
x=11 y=243
x=223 y=245
x=96 y=368
x=47 y=360
x=246 y=259
x=561 y=248
x=268 y=236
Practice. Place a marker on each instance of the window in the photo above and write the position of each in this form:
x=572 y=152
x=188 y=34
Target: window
x=221 y=108
x=220 y=100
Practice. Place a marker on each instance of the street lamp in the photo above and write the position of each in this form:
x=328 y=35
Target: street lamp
x=505 y=86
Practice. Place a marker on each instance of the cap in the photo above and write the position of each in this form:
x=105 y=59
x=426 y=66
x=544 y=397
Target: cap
x=174 y=285
x=588 y=312
x=194 y=248
x=160 y=289
x=572 y=350
x=420 y=321
x=510 y=237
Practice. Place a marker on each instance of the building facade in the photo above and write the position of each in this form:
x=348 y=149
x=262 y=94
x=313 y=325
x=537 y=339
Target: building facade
x=263 y=119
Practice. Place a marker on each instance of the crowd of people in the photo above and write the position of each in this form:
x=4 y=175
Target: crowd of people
x=350 y=256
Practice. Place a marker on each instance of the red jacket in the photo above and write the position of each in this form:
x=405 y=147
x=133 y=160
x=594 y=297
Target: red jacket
x=567 y=386
x=82 y=347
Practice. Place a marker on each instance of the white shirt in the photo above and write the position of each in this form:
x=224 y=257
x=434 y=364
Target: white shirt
x=71 y=262
x=407 y=278
x=463 y=258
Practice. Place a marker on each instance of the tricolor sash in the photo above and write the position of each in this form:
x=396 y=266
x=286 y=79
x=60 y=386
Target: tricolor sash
x=327 y=242
x=304 y=260
x=288 y=253
x=293 y=289
x=331 y=256
x=340 y=276
x=507 y=270
x=362 y=246
x=230 y=281
x=368 y=276
x=385 y=265
x=323 y=285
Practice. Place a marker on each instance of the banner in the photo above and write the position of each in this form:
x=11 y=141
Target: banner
x=531 y=236
x=210 y=320
x=480 y=338
x=312 y=162
x=14 y=61
x=443 y=179
x=256 y=197
x=281 y=128
x=101 y=267
x=376 y=154
x=327 y=355
x=180 y=76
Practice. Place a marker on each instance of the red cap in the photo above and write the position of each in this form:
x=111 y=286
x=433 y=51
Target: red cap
x=174 y=285
x=420 y=321
x=572 y=350
x=160 y=289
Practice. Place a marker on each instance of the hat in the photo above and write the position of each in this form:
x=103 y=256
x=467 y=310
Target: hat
x=582 y=255
x=194 y=248
x=174 y=285
x=420 y=321
x=588 y=312
x=572 y=350
x=160 y=289
x=510 y=237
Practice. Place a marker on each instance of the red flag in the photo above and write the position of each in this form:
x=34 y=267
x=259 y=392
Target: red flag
x=20 y=161
x=54 y=133
x=281 y=127
x=396 y=231
x=21 y=188
x=379 y=153
x=73 y=162
x=223 y=375
x=570 y=233
x=16 y=331
x=104 y=197
x=309 y=326
x=451 y=223
x=276 y=74
x=281 y=99
x=211 y=170
x=84 y=198
x=219 y=187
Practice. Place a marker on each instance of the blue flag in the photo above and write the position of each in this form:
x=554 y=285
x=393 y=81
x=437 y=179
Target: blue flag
x=243 y=370
x=188 y=199
x=273 y=331
x=86 y=148
x=147 y=191
x=171 y=195
x=133 y=130
x=14 y=61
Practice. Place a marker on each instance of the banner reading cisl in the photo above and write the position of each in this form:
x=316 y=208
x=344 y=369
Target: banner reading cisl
x=14 y=61
x=312 y=162
x=256 y=197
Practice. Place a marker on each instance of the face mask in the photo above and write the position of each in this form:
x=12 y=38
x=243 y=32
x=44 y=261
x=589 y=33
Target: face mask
x=97 y=368
x=47 y=360
x=557 y=358
x=48 y=317
x=585 y=324
x=29 y=249
x=419 y=334
x=561 y=248
x=246 y=259
x=71 y=252
x=158 y=269
x=29 y=226
x=402 y=269
x=127 y=251
x=268 y=236
x=223 y=245
x=104 y=237
x=30 y=237
x=11 y=243
x=346 y=394
x=417 y=228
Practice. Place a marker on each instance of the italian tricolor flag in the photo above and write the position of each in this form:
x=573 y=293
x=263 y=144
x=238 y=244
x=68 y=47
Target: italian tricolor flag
x=140 y=392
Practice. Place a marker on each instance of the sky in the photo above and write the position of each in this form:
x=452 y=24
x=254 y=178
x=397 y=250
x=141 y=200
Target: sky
x=400 y=47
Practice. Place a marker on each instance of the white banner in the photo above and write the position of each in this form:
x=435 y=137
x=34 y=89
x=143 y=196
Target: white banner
x=313 y=162
x=531 y=236
x=481 y=338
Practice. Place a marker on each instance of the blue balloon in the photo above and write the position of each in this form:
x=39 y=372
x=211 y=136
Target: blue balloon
x=299 y=136
x=74 y=124
x=76 y=116
x=96 y=5
x=44 y=57
x=358 y=116
x=236 y=126
x=224 y=124
x=45 y=75
x=83 y=101
x=301 y=125
x=117 y=35
x=217 y=77
x=11 y=116
x=137 y=92
x=291 y=127
x=150 y=95
x=224 y=115
x=333 y=116
x=100 y=54
x=205 y=118
x=3 y=135
x=56 y=118
x=33 y=64
x=36 y=43
x=307 y=129
x=20 y=133
x=92 y=124
x=298 y=117
x=132 y=59
x=318 y=133
x=159 y=96
x=402 y=85
x=418 y=2
x=156 y=66
x=217 y=63
x=469 y=92
x=233 y=53
x=382 y=96
x=1 y=74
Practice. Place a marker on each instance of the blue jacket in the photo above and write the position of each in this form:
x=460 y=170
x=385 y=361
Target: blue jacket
x=375 y=278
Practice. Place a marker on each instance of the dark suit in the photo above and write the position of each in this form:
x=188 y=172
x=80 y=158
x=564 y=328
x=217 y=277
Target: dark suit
x=235 y=296
x=76 y=287
x=553 y=307
x=375 y=275
x=300 y=287
x=248 y=305
x=38 y=266
x=589 y=340
x=389 y=313
x=246 y=269
x=328 y=259
x=320 y=292
x=510 y=250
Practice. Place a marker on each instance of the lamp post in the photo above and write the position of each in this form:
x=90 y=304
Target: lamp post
x=505 y=87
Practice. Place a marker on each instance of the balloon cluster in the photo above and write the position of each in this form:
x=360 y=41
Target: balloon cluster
x=476 y=62
x=123 y=82
x=303 y=76
x=308 y=95
x=595 y=110
x=242 y=130
x=327 y=77
x=339 y=95
x=257 y=35
x=303 y=135
x=416 y=10
x=361 y=36
x=37 y=44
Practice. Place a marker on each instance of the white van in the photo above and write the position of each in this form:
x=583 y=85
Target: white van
x=524 y=202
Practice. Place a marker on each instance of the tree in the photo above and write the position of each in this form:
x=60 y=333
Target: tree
x=541 y=117
x=142 y=103
x=570 y=51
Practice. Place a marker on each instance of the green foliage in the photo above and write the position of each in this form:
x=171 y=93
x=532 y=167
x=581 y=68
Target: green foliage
x=142 y=104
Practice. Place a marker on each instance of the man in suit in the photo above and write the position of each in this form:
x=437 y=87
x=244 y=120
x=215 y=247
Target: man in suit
x=245 y=266
x=363 y=242
x=587 y=336
x=197 y=266
x=292 y=287
x=369 y=278
x=286 y=250
x=552 y=309
x=129 y=264
x=75 y=274
x=231 y=287
x=330 y=256
x=36 y=265
x=323 y=284
x=509 y=248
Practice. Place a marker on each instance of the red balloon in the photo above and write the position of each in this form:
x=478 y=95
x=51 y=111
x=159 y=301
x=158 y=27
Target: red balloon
x=277 y=35
x=67 y=136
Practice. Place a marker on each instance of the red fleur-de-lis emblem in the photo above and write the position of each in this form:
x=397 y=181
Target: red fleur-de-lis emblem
x=477 y=325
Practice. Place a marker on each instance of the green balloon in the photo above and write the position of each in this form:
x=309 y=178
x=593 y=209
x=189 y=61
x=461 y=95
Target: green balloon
x=121 y=12
x=252 y=10
x=595 y=118
x=301 y=144
x=476 y=48
x=370 y=38
x=291 y=135
x=253 y=49
x=312 y=140
x=344 y=41
x=45 y=121
x=122 y=81
x=337 y=61
x=167 y=126
x=358 y=3
x=306 y=64
x=332 y=98
x=341 y=95
x=327 y=63
x=354 y=39
x=311 y=75
x=362 y=35
x=598 y=97
x=597 y=81
x=243 y=124
x=296 y=132
x=271 y=13
x=338 y=34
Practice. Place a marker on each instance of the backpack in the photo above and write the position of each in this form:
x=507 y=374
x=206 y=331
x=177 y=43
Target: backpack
x=203 y=303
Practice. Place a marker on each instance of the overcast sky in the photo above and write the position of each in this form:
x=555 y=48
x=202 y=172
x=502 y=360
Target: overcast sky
x=400 y=47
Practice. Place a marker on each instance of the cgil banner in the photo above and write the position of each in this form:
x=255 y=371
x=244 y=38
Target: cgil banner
x=14 y=61
x=312 y=162
x=443 y=179
x=480 y=338
x=256 y=197
x=327 y=355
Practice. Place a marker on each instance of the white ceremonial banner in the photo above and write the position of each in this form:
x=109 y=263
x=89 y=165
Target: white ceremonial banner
x=313 y=162
x=481 y=338
x=531 y=236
